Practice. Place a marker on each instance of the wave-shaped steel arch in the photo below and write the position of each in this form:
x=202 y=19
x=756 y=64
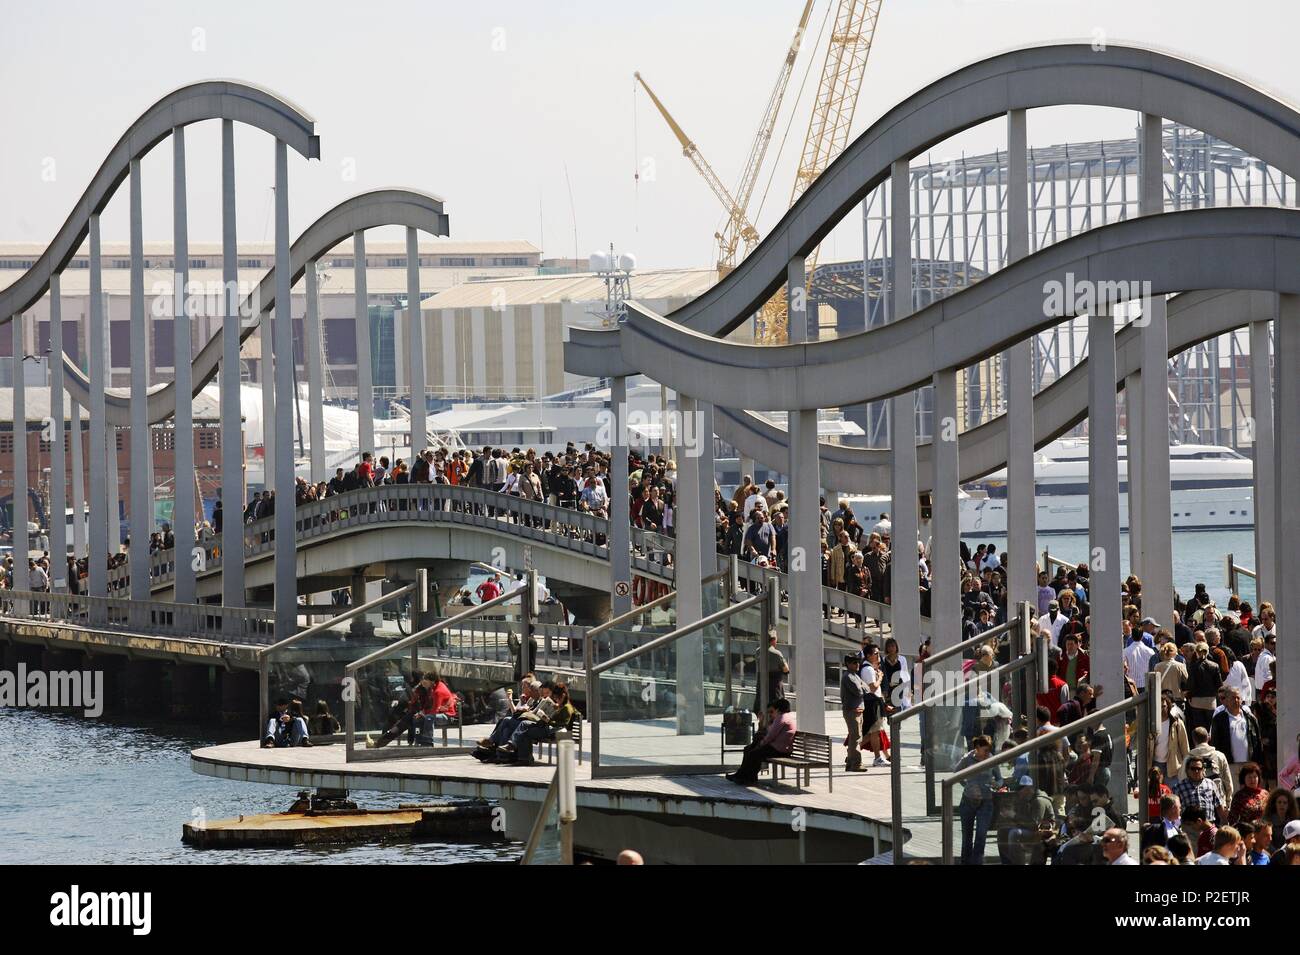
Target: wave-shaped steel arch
x=1121 y=77
x=1194 y=317
x=210 y=99
x=1240 y=248
x=368 y=210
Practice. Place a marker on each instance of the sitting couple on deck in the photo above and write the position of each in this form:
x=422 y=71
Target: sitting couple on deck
x=287 y=725
x=430 y=705
x=544 y=709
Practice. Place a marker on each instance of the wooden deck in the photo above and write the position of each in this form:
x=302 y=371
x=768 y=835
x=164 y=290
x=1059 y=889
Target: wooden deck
x=859 y=804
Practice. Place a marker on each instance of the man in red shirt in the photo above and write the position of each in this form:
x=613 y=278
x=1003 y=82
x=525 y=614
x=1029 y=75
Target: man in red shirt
x=490 y=589
x=439 y=707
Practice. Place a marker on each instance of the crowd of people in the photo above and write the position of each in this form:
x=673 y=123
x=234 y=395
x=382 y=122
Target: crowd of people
x=1217 y=795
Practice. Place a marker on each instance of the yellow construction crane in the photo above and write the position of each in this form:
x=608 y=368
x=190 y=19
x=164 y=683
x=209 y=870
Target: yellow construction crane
x=738 y=229
x=738 y=226
x=828 y=127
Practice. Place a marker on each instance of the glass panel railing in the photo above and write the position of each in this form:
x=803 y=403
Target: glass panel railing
x=1050 y=798
x=378 y=686
x=954 y=702
x=659 y=706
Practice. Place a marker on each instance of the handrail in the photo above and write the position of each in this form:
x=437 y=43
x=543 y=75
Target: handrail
x=716 y=617
x=1011 y=755
x=1235 y=570
x=539 y=824
x=920 y=708
x=645 y=607
x=357 y=611
x=1019 y=620
x=468 y=614
x=1050 y=562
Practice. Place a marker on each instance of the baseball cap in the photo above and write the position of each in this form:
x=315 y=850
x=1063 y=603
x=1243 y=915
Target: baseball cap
x=1149 y=620
x=1291 y=830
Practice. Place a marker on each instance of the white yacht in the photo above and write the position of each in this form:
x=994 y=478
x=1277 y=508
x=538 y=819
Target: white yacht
x=1211 y=489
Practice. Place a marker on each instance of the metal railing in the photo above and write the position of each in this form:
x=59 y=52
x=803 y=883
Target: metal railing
x=209 y=622
x=1143 y=701
x=764 y=602
x=264 y=654
x=1050 y=564
x=1235 y=573
x=527 y=592
x=544 y=846
x=561 y=527
x=1030 y=654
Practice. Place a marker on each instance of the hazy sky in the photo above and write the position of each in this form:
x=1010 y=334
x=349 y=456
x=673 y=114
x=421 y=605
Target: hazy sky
x=490 y=104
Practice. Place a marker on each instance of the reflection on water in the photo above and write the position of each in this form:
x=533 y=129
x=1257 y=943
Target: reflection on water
x=78 y=791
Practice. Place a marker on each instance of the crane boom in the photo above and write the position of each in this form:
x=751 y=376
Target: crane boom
x=828 y=125
x=762 y=139
x=737 y=222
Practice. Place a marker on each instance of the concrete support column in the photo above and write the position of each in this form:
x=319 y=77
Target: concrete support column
x=1156 y=507
x=708 y=481
x=141 y=520
x=945 y=540
x=905 y=598
x=1022 y=540
x=365 y=373
x=78 y=481
x=1286 y=469
x=113 y=513
x=270 y=449
x=1106 y=648
x=232 y=431
x=58 y=461
x=315 y=376
x=97 y=358
x=1265 y=490
x=184 y=511
x=360 y=592
x=747 y=466
x=620 y=558
x=688 y=576
x=415 y=342
x=805 y=574
x=1134 y=471
x=286 y=545
x=20 y=544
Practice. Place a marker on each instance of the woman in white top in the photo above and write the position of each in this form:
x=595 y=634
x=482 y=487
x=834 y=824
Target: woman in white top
x=873 y=702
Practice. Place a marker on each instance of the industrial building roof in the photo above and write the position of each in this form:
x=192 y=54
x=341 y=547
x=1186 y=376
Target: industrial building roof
x=580 y=287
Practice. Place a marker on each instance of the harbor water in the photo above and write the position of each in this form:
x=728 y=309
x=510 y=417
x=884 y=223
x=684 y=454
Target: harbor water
x=81 y=791
x=78 y=791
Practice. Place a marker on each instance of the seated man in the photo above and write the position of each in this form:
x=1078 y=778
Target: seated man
x=288 y=726
x=777 y=741
x=538 y=701
x=439 y=709
x=529 y=731
x=416 y=701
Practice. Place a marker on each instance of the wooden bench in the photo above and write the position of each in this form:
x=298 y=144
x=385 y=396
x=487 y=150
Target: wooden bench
x=810 y=750
x=574 y=729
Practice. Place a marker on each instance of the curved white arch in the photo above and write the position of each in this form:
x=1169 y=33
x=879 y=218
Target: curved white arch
x=1056 y=75
x=210 y=99
x=1241 y=248
x=1194 y=317
x=368 y=210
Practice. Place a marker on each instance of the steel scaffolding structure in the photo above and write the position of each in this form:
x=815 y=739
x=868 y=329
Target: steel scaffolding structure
x=958 y=236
